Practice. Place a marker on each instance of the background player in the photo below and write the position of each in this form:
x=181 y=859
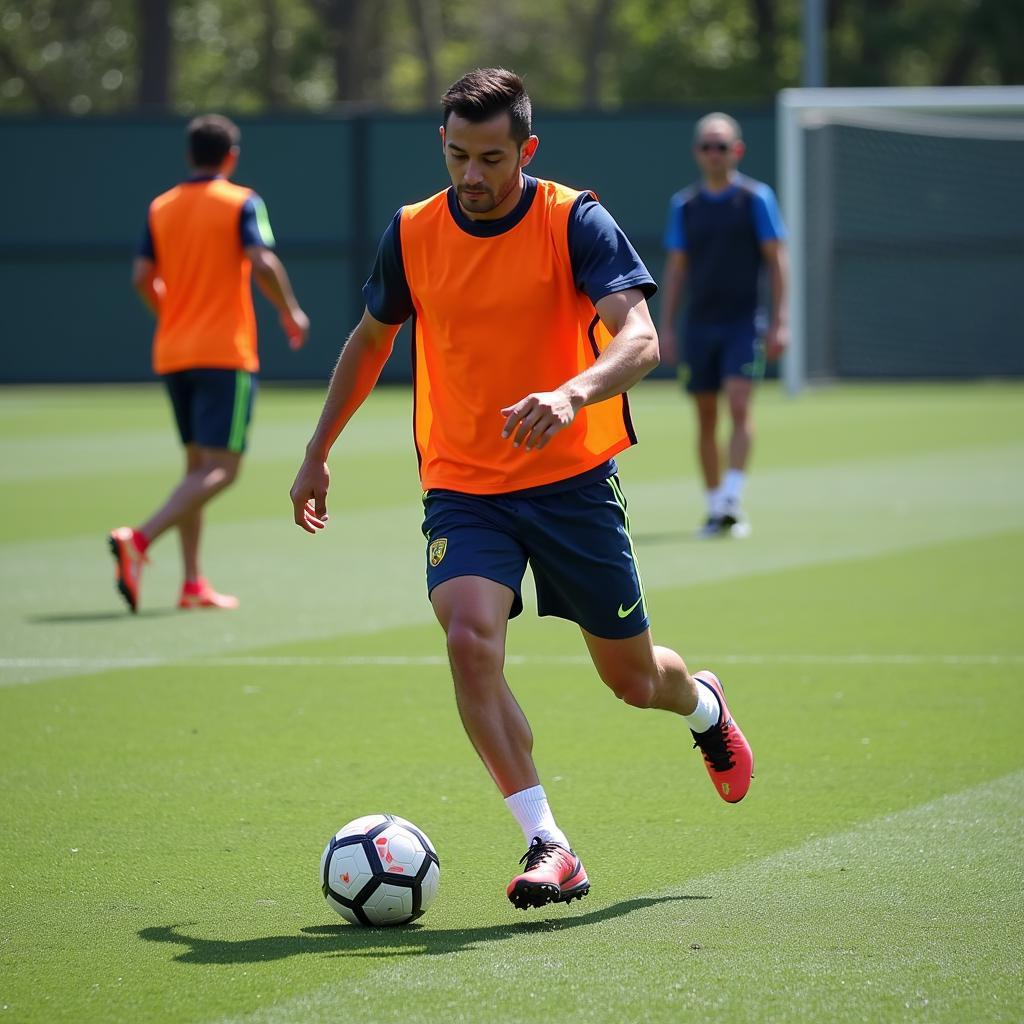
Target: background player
x=203 y=240
x=719 y=234
x=531 y=322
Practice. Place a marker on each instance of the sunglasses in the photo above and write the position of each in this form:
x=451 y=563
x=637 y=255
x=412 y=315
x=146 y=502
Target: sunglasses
x=714 y=147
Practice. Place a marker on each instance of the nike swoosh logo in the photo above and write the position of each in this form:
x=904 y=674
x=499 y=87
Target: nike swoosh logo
x=623 y=612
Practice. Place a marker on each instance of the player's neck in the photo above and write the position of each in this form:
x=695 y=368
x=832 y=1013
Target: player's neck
x=719 y=182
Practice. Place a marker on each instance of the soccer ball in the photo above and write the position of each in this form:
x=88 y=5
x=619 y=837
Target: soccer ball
x=379 y=870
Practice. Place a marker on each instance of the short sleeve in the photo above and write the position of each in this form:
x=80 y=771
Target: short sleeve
x=386 y=292
x=255 y=224
x=603 y=259
x=767 y=219
x=675 y=228
x=146 y=249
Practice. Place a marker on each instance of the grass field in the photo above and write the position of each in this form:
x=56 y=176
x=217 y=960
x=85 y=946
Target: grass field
x=169 y=779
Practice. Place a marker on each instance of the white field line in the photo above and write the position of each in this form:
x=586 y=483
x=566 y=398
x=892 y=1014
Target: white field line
x=387 y=660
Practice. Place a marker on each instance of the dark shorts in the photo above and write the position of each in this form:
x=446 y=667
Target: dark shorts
x=212 y=407
x=575 y=538
x=714 y=352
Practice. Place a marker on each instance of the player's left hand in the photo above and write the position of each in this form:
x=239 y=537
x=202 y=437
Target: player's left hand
x=535 y=419
x=296 y=327
x=776 y=341
x=309 y=495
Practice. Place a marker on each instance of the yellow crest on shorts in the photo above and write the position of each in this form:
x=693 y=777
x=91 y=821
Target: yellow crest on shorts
x=437 y=549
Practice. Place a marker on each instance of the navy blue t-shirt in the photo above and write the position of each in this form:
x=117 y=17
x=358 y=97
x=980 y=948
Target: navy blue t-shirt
x=721 y=234
x=603 y=260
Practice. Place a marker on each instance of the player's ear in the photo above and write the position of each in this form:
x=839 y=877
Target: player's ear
x=441 y=130
x=230 y=162
x=528 y=150
x=738 y=149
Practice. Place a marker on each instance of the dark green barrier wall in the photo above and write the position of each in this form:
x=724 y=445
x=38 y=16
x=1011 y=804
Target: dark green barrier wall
x=75 y=194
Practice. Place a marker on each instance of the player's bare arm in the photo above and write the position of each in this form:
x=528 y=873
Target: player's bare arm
x=672 y=283
x=359 y=365
x=148 y=283
x=273 y=281
x=629 y=357
x=776 y=339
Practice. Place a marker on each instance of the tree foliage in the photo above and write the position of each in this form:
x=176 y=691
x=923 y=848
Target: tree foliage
x=103 y=56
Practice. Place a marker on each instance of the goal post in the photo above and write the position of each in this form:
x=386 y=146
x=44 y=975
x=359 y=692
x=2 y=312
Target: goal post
x=850 y=263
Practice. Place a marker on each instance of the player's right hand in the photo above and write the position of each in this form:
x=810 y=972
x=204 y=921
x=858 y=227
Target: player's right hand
x=309 y=495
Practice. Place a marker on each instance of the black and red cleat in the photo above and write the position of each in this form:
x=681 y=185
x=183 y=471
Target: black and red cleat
x=553 y=875
x=128 y=563
x=727 y=754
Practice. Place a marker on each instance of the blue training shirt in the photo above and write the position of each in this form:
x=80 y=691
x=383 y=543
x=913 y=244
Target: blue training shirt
x=721 y=234
x=603 y=259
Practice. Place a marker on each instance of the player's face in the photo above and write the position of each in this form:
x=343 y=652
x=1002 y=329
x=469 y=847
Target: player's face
x=717 y=150
x=484 y=162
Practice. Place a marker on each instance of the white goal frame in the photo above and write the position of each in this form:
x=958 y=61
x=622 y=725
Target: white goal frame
x=793 y=109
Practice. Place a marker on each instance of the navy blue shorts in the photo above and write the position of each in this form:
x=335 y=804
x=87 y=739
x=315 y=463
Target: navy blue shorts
x=714 y=352
x=574 y=536
x=212 y=407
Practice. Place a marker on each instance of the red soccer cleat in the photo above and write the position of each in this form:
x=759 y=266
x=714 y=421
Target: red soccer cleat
x=727 y=754
x=128 y=564
x=553 y=875
x=201 y=595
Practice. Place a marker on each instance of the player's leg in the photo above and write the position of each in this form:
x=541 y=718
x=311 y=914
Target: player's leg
x=196 y=590
x=585 y=568
x=703 y=382
x=475 y=566
x=739 y=392
x=129 y=545
x=706 y=406
x=216 y=470
x=218 y=416
x=191 y=523
x=474 y=612
x=646 y=676
x=742 y=366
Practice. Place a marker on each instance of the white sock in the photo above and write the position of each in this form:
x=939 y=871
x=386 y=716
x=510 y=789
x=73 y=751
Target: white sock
x=732 y=486
x=530 y=808
x=708 y=710
x=714 y=499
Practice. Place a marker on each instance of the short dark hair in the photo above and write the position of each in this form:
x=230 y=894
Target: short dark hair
x=487 y=92
x=210 y=138
x=709 y=119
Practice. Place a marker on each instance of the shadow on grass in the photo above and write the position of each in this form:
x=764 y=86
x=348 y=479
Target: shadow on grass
x=67 y=618
x=353 y=940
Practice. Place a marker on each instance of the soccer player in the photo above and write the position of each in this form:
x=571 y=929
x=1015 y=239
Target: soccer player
x=203 y=241
x=530 y=324
x=720 y=233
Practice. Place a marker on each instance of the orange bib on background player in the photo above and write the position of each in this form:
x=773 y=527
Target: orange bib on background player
x=206 y=318
x=497 y=318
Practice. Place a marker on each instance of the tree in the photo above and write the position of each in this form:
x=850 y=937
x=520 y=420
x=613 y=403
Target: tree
x=154 y=20
x=97 y=56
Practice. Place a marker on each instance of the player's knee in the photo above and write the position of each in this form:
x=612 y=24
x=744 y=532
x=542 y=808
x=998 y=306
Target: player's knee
x=217 y=475
x=473 y=650
x=633 y=687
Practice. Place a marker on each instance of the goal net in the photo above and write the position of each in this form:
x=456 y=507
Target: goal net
x=905 y=210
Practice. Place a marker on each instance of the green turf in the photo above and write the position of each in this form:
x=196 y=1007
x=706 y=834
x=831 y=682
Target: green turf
x=169 y=780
